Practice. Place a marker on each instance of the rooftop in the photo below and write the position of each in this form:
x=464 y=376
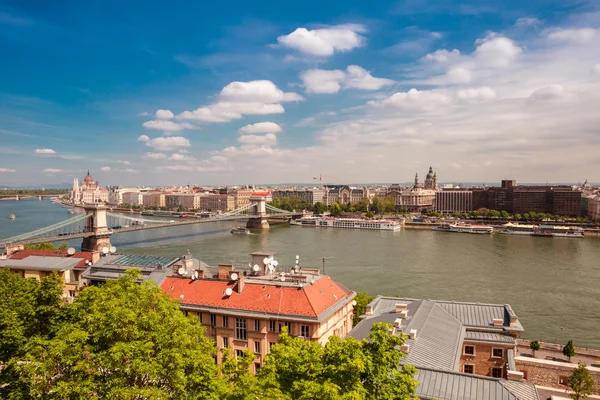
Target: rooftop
x=113 y=266
x=45 y=260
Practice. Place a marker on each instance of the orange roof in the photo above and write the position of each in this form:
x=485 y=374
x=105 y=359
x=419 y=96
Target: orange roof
x=260 y=194
x=23 y=254
x=311 y=300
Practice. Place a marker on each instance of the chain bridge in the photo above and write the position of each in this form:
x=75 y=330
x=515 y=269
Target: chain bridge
x=98 y=224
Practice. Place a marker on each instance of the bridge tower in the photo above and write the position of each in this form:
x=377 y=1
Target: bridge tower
x=96 y=224
x=258 y=214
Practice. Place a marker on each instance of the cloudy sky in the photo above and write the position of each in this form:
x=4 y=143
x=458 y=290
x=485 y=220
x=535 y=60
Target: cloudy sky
x=257 y=92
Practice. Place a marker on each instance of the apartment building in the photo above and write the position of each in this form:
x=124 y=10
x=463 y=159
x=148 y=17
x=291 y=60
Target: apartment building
x=311 y=196
x=247 y=309
x=217 y=202
x=154 y=199
x=451 y=201
x=133 y=198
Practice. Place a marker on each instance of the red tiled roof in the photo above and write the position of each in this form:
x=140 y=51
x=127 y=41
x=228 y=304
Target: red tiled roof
x=23 y=254
x=311 y=300
x=260 y=194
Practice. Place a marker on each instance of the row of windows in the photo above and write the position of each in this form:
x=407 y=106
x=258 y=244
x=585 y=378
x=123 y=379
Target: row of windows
x=240 y=325
x=496 y=352
x=240 y=352
x=497 y=372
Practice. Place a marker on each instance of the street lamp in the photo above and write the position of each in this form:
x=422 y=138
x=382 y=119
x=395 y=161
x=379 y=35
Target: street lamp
x=561 y=335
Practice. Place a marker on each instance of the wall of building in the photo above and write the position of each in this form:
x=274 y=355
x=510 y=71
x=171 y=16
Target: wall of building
x=551 y=373
x=483 y=361
x=451 y=201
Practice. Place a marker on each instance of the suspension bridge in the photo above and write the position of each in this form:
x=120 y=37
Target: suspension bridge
x=98 y=224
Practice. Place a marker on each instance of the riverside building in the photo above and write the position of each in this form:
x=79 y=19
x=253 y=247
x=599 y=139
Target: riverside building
x=418 y=197
x=311 y=196
x=88 y=191
x=451 y=201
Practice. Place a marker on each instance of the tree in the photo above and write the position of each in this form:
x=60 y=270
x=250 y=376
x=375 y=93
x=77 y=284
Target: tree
x=377 y=205
x=483 y=212
x=569 y=350
x=362 y=206
x=580 y=382
x=361 y=299
x=181 y=208
x=119 y=340
x=517 y=217
x=535 y=346
x=40 y=246
x=369 y=214
x=319 y=208
x=343 y=369
x=504 y=214
x=335 y=209
x=494 y=214
x=389 y=205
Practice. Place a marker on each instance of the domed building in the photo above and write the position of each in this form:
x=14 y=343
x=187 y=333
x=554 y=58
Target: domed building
x=88 y=191
x=431 y=180
x=417 y=197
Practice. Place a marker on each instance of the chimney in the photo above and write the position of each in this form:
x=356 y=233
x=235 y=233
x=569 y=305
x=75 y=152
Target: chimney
x=398 y=322
x=405 y=348
x=498 y=322
x=369 y=310
x=513 y=320
x=400 y=307
x=224 y=270
x=404 y=314
x=200 y=273
x=412 y=334
x=240 y=284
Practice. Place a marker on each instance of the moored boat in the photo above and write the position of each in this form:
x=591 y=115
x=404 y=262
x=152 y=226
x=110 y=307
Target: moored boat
x=12 y=216
x=348 y=223
x=240 y=230
x=542 y=230
x=465 y=228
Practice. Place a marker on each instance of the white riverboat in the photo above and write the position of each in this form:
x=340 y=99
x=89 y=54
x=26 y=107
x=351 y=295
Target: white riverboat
x=465 y=228
x=542 y=230
x=348 y=223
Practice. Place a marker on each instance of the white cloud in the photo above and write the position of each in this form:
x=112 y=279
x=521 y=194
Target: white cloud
x=596 y=69
x=164 y=114
x=527 y=21
x=218 y=159
x=476 y=95
x=497 y=51
x=44 y=151
x=167 y=126
x=52 y=170
x=7 y=170
x=330 y=81
x=126 y=162
x=156 y=156
x=143 y=138
x=243 y=98
x=180 y=157
x=415 y=100
x=178 y=168
x=261 y=127
x=577 y=35
x=167 y=143
x=458 y=75
x=268 y=140
x=105 y=169
x=326 y=41
x=144 y=114
x=132 y=171
x=443 y=56
x=551 y=92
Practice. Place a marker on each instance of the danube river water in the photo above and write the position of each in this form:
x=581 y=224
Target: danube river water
x=553 y=284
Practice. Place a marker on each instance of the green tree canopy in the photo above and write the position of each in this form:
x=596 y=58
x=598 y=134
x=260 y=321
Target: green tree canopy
x=569 y=349
x=319 y=208
x=335 y=209
x=361 y=299
x=120 y=340
x=581 y=382
x=369 y=214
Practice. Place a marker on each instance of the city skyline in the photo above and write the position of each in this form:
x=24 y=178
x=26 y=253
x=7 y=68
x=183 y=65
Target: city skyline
x=256 y=95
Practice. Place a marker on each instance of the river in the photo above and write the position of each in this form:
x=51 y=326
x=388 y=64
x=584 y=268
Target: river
x=553 y=284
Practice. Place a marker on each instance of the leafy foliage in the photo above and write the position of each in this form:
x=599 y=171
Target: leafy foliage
x=569 y=349
x=581 y=382
x=362 y=299
x=294 y=203
x=534 y=345
x=40 y=246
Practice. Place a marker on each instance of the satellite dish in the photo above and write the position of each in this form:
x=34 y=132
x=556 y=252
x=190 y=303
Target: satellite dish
x=228 y=291
x=196 y=274
x=105 y=250
x=70 y=251
x=234 y=276
x=256 y=268
x=354 y=303
x=181 y=271
x=271 y=268
x=266 y=260
x=282 y=278
x=297 y=257
x=275 y=263
x=113 y=249
x=193 y=277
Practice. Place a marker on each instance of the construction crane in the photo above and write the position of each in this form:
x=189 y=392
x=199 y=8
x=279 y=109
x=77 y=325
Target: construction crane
x=320 y=179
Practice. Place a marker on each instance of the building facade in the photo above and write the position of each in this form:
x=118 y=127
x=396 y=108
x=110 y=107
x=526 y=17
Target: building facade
x=451 y=201
x=345 y=194
x=154 y=199
x=248 y=310
x=217 y=202
x=88 y=191
x=311 y=196
x=414 y=198
x=133 y=198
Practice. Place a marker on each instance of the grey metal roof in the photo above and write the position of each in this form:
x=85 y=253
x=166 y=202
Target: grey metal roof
x=439 y=338
x=489 y=337
x=41 y=263
x=444 y=385
x=473 y=314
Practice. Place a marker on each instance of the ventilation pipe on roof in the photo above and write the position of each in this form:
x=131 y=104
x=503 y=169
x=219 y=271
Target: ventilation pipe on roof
x=398 y=323
x=401 y=307
x=498 y=322
x=240 y=284
x=412 y=334
x=369 y=310
x=405 y=348
x=404 y=314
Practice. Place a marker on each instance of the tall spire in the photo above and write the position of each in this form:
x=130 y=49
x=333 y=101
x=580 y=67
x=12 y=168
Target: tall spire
x=416 y=178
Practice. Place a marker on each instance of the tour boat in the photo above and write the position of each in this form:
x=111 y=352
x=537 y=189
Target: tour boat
x=240 y=230
x=12 y=216
x=466 y=228
x=348 y=223
x=70 y=212
x=542 y=230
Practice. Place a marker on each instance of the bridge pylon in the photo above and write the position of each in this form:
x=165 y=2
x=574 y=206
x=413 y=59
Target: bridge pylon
x=258 y=215
x=96 y=224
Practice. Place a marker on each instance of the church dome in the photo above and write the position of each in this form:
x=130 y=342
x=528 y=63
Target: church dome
x=88 y=178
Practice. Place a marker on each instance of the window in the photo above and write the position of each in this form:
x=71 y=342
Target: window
x=240 y=329
x=225 y=342
x=257 y=325
x=200 y=317
x=213 y=319
x=304 y=331
x=497 y=372
x=225 y=320
x=497 y=353
x=239 y=353
x=469 y=351
x=468 y=369
x=257 y=347
x=256 y=367
x=271 y=326
x=286 y=324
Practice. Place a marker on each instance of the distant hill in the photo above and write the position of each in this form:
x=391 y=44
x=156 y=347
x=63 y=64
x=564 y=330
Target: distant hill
x=47 y=186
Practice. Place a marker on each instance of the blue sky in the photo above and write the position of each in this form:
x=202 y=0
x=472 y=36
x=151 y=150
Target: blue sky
x=265 y=92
